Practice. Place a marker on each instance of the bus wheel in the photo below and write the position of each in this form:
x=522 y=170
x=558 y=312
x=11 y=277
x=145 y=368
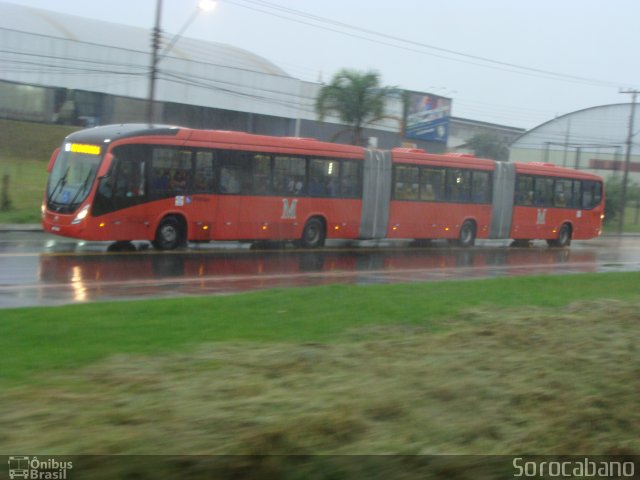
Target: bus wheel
x=564 y=237
x=467 y=237
x=169 y=234
x=313 y=234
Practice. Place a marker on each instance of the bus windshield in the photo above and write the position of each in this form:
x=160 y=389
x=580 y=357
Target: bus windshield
x=70 y=181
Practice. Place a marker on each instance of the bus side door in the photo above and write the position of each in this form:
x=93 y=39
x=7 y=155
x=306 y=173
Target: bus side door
x=130 y=193
x=121 y=195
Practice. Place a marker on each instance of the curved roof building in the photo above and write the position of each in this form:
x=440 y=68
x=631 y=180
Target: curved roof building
x=49 y=49
x=96 y=33
x=593 y=139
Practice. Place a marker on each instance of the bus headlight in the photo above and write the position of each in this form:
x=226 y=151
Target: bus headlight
x=82 y=214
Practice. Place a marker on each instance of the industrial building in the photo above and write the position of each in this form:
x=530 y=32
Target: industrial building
x=69 y=69
x=593 y=139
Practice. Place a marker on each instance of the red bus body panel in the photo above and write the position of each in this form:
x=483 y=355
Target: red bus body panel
x=436 y=220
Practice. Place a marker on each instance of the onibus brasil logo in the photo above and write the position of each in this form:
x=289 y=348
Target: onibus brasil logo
x=33 y=468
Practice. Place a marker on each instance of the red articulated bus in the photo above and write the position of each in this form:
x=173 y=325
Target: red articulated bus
x=173 y=185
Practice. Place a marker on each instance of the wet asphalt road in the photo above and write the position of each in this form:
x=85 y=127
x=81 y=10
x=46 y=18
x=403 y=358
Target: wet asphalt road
x=41 y=270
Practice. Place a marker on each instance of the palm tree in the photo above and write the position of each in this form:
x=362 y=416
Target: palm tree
x=356 y=98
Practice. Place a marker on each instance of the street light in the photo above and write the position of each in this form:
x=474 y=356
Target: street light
x=207 y=5
x=203 y=6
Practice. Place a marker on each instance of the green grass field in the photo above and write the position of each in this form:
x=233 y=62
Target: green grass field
x=521 y=365
x=26 y=149
x=71 y=336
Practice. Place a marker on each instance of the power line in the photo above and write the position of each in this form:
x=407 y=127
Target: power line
x=444 y=53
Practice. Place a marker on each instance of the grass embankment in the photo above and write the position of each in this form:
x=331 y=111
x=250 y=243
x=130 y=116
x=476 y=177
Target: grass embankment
x=520 y=365
x=25 y=154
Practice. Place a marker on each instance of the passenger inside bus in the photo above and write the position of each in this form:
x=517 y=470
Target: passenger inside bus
x=161 y=182
x=202 y=184
x=179 y=181
x=316 y=188
x=260 y=185
x=296 y=186
x=428 y=192
x=229 y=180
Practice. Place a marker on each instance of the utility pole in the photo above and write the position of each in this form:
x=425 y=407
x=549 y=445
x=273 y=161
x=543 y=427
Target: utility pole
x=157 y=55
x=155 y=47
x=627 y=156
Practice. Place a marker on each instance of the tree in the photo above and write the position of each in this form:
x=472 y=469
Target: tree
x=488 y=145
x=613 y=199
x=5 y=201
x=356 y=98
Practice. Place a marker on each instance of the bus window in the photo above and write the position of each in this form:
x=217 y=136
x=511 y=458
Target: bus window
x=406 y=183
x=543 y=192
x=170 y=172
x=324 y=178
x=432 y=184
x=130 y=179
x=576 y=197
x=289 y=175
x=261 y=174
x=351 y=179
x=235 y=172
x=181 y=175
x=125 y=184
x=459 y=185
x=591 y=194
x=524 y=190
x=204 y=174
x=230 y=179
x=562 y=193
x=481 y=187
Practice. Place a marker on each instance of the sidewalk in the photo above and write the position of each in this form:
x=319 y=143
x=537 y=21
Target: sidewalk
x=20 y=227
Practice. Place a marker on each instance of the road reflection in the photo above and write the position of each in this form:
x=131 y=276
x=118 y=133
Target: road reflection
x=79 y=277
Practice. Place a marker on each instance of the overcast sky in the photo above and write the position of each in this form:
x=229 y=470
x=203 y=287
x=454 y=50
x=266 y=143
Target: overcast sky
x=512 y=62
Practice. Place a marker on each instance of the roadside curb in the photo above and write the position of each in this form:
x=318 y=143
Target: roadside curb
x=19 y=227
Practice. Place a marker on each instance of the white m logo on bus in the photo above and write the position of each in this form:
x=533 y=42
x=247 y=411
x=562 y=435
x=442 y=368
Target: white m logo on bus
x=289 y=209
x=542 y=216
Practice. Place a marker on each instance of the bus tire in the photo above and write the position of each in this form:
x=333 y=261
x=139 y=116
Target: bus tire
x=563 y=239
x=169 y=235
x=467 y=236
x=313 y=234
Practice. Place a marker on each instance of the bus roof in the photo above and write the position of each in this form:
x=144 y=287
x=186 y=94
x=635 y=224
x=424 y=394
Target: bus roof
x=420 y=157
x=552 y=170
x=110 y=133
x=211 y=138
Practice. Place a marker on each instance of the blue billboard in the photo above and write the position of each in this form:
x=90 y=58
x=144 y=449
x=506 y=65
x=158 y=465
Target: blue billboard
x=427 y=117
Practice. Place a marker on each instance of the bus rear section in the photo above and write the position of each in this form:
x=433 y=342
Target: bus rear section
x=556 y=204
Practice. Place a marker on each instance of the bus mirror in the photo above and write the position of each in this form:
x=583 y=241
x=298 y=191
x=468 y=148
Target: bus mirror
x=52 y=160
x=104 y=166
